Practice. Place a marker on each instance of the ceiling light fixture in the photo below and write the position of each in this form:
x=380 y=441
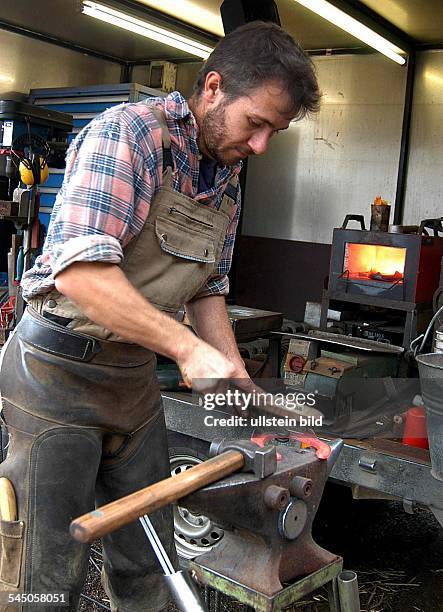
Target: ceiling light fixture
x=356 y=28
x=144 y=28
x=192 y=12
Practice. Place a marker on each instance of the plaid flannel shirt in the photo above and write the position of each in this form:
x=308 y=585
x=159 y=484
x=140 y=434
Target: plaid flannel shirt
x=113 y=170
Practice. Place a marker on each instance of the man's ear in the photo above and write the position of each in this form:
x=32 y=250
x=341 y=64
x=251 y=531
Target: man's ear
x=212 y=91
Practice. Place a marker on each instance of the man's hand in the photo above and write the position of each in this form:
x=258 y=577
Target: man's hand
x=203 y=367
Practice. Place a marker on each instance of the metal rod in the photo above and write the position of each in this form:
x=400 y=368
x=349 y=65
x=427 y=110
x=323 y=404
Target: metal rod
x=182 y=588
x=159 y=550
x=405 y=142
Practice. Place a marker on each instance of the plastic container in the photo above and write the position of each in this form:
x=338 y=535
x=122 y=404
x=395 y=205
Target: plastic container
x=415 y=432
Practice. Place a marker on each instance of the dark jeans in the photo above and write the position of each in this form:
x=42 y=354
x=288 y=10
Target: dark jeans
x=81 y=433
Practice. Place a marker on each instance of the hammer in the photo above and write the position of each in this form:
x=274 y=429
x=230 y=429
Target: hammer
x=247 y=456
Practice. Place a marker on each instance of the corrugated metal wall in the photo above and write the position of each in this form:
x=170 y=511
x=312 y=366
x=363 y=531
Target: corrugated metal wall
x=323 y=169
x=27 y=64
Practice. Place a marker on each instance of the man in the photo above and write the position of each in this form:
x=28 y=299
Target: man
x=145 y=222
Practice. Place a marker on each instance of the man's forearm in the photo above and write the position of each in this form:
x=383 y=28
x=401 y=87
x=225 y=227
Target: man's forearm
x=209 y=318
x=104 y=295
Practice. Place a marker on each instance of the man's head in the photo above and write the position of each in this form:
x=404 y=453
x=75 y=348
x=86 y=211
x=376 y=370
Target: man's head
x=255 y=82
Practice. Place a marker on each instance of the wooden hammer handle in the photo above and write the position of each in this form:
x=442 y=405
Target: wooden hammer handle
x=108 y=518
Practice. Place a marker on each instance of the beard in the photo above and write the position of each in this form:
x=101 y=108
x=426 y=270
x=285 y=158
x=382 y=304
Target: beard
x=214 y=133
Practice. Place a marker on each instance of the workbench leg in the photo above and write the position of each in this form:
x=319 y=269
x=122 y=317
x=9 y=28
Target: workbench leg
x=410 y=328
x=334 y=600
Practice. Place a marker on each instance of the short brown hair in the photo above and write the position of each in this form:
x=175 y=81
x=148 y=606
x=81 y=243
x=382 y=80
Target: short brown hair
x=259 y=52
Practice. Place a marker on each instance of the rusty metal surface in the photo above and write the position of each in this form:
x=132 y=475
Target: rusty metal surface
x=265 y=545
x=395 y=449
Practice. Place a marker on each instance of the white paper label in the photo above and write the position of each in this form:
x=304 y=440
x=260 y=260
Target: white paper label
x=7 y=133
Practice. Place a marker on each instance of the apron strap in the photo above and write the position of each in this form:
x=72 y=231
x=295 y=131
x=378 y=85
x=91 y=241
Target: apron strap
x=229 y=199
x=168 y=163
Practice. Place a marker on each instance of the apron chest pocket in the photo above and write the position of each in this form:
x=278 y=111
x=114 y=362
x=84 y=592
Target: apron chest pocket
x=11 y=549
x=184 y=241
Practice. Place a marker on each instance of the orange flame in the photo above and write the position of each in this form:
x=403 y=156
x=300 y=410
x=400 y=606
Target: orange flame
x=364 y=260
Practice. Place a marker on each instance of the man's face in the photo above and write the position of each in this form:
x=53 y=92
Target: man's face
x=230 y=131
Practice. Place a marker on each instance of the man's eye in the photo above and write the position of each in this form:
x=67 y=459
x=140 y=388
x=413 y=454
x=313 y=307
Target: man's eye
x=254 y=123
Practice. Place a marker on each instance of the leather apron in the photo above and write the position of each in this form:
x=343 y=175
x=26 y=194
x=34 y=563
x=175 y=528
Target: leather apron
x=89 y=426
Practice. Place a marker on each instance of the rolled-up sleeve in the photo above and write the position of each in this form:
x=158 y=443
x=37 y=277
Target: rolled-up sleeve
x=106 y=194
x=218 y=283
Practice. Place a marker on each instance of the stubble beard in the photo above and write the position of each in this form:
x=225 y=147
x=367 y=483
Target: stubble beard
x=214 y=134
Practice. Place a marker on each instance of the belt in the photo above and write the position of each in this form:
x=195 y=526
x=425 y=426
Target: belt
x=57 y=340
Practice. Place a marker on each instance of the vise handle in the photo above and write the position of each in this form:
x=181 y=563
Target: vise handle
x=118 y=513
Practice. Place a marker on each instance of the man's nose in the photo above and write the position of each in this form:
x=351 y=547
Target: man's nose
x=258 y=143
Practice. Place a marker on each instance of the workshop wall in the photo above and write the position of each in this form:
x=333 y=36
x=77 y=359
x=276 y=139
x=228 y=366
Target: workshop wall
x=28 y=63
x=312 y=176
x=322 y=169
x=186 y=75
x=424 y=190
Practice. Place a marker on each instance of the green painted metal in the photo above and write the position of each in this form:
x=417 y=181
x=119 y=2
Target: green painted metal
x=281 y=600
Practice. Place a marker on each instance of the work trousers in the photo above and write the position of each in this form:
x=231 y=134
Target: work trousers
x=82 y=433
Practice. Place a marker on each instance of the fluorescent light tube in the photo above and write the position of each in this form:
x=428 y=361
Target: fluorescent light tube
x=354 y=27
x=149 y=30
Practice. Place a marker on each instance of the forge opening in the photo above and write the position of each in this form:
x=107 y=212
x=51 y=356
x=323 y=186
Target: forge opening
x=374 y=262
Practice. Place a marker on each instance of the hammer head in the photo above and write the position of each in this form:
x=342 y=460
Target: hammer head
x=262 y=462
